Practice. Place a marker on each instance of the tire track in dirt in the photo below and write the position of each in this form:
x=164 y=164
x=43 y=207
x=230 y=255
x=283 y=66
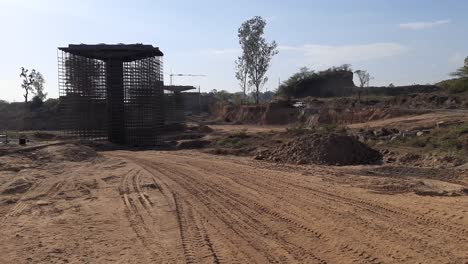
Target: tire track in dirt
x=143 y=220
x=41 y=189
x=454 y=228
x=211 y=209
x=345 y=248
x=420 y=237
x=419 y=240
x=296 y=250
x=235 y=213
x=219 y=211
x=196 y=242
x=294 y=226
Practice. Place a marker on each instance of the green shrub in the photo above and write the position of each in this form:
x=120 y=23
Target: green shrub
x=236 y=140
x=455 y=86
x=462 y=129
x=240 y=134
x=448 y=139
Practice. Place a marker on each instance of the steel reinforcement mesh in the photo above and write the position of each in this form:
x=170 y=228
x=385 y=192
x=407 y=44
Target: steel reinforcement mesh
x=174 y=108
x=113 y=100
x=83 y=96
x=144 y=105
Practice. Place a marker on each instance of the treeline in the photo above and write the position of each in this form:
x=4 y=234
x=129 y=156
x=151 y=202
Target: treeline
x=398 y=90
x=34 y=115
x=224 y=96
x=335 y=81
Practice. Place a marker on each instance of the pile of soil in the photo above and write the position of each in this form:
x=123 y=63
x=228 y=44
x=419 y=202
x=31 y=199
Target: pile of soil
x=68 y=152
x=331 y=149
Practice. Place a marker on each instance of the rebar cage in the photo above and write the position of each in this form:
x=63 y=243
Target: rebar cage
x=118 y=98
x=174 y=108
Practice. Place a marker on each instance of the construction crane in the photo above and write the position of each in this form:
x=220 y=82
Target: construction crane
x=184 y=74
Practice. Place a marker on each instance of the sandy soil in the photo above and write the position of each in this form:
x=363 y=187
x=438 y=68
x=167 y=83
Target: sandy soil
x=188 y=207
x=417 y=121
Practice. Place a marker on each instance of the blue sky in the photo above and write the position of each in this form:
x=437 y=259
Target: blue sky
x=400 y=42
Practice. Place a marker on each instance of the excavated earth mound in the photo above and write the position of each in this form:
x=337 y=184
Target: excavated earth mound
x=70 y=152
x=331 y=149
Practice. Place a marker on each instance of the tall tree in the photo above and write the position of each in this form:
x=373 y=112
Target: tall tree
x=38 y=85
x=256 y=52
x=242 y=75
x=28 y=80
x=364 y=79
x=463 y=71
x=33 y=82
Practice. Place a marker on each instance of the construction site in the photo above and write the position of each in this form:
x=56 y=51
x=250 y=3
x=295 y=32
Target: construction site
x=125 y=168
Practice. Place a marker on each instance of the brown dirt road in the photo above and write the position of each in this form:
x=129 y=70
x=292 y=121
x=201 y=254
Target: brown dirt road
x=188 y=207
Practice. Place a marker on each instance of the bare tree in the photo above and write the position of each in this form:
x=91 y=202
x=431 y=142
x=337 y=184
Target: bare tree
x=256 y=52
x=242 y=74
x=364 y=79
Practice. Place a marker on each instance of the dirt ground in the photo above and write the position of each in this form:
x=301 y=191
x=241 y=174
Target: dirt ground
x=417 y=121
x=64 y=205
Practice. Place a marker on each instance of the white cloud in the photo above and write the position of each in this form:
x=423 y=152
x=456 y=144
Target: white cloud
x=424 y=24
x=325 y=55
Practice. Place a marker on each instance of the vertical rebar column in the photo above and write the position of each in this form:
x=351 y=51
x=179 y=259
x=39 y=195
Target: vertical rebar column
x=115 y=101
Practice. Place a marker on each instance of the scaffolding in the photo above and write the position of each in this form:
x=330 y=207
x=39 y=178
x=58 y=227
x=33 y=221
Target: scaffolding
x=112 y=92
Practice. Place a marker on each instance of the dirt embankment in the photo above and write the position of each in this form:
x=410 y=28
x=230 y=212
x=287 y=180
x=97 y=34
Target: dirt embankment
x=312 y=112
x=312 y=117
x=278 y=113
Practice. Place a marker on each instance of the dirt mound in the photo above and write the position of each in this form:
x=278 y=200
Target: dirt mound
x=332 y=149
x=69 y=152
